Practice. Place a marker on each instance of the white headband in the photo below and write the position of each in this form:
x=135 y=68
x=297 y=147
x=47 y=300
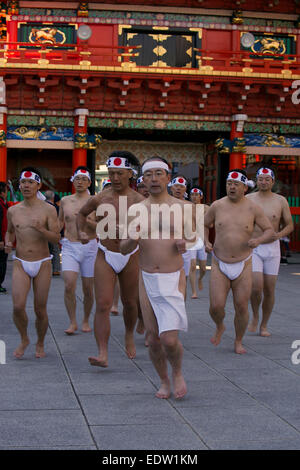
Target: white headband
x=153 y=164
x=237 y=176
x=265 y=172
x=30 y=175
x=118 y=162
x=80 y=172
x=105 y=183
x=179 y=180
x=196 y=191
x=140 y=180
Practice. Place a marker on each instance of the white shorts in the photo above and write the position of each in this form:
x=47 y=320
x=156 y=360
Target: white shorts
x=199 y=254
x=266 y=258
x=166 y=300
x=78 y=257
x=187 y=258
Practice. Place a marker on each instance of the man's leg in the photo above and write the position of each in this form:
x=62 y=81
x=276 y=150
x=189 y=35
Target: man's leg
x=174 y=353
x=41 y=285
x=241 y=289
x=20 y=287
x=202 y=271
x=104 y=282
x=156 y=351
x=192 y=277
x=128 y=279
x=268 y=302
x=256 y=298
x=218 y=291
x=114 y=308
x=70 y=280
x=88 y=301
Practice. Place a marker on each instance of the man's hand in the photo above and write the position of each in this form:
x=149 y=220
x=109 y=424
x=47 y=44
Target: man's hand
x=208 y=247
x=83 y=237
x=8 y=247
x=253 y=242
x=180 y=245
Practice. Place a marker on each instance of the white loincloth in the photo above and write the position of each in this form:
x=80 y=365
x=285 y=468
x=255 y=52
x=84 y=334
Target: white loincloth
x=231 y=270
x=115 y=259
x=266 y=258
x=166 y=300
x=32 y=267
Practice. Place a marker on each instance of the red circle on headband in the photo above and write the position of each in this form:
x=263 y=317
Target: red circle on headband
x=83 y=171
x=27 y=174
x=117 y=161
x=180 y=180
x=265 y=170
x=195 y=191
x=234 y=175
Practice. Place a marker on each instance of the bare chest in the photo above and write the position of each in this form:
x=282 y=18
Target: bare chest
x=234 y=221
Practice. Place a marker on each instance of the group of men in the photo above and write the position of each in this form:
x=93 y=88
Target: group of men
x=118 y=234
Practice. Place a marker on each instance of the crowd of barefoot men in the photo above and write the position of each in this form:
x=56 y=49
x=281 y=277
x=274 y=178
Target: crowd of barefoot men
x=149 y=271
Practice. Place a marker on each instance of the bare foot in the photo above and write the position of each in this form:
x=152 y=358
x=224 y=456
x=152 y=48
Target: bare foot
x=130 y=346
x=114 y=310
x=86 y=328
x=19 y=352
x=180 y=388
x=140 y=329
x=264 y=332
x=252 y=327
x=194 y=296
x=238 y=347
x=39 y=351
x=71 y=330
x=218 y=335
x=165 y=390
x=98 y=361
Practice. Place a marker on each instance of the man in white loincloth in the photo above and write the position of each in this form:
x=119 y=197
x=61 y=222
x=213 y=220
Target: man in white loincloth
x=234 y=217
x=266 y=257
x=33 y=223
x=110 y=262
x=162 y=278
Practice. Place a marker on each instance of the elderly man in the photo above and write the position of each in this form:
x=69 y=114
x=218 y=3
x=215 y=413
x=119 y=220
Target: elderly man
x=162 y=279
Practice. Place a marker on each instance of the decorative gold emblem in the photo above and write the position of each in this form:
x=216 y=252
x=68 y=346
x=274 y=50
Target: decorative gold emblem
x=47 y=35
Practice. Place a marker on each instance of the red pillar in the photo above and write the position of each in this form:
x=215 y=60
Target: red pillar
x=236 y=158
x=80 y=126
x=3 y=131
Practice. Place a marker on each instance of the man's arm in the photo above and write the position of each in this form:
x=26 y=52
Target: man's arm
x=287 y=220
x=81 y=219
x=61 y=215
x=127 y=245
x=10 y=234
x=265 y=225
x=209 y=220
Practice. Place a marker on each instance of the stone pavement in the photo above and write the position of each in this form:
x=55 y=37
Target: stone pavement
x=233 y=402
